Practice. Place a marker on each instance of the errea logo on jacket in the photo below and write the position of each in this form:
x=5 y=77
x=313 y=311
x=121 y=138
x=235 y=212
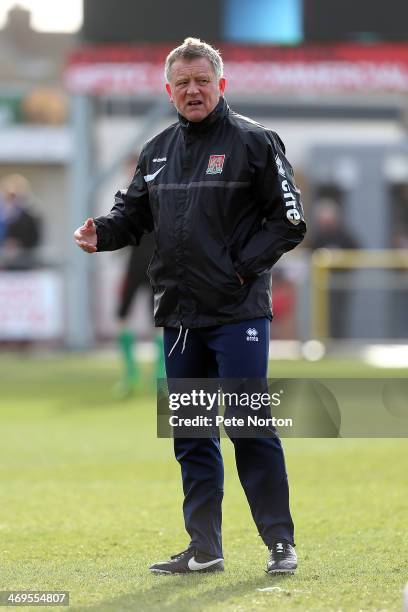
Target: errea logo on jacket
x=292 y=213
x=215 y=164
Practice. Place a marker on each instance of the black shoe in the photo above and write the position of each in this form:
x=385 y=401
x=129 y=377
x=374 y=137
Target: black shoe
x=282 y=558
x=188 y=562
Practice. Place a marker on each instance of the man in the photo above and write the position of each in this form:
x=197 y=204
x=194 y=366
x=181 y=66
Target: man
x=219 y=194
x=20 y=227
x=331 y=232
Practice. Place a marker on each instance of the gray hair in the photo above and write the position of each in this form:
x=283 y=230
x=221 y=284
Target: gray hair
x=191 y=49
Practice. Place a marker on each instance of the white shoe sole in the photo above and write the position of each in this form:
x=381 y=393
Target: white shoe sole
x=203 y=571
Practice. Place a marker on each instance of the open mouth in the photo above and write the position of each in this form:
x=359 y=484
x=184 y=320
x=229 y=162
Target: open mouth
x=194 y=103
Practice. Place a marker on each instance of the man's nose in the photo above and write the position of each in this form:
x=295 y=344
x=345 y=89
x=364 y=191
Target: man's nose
x=192 y=88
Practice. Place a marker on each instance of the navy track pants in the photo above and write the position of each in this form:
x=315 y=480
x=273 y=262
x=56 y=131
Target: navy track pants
x=224 y=352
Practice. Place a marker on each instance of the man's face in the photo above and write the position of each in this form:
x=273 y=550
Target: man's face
x=194 y=89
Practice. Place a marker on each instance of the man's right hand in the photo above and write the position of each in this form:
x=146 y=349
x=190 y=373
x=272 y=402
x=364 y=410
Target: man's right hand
x=85 y=236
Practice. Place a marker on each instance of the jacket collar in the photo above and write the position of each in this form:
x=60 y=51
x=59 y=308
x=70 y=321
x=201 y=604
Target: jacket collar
x=219 y=112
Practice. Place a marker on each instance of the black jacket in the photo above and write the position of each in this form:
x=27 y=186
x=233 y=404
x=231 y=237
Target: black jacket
x=221 y=198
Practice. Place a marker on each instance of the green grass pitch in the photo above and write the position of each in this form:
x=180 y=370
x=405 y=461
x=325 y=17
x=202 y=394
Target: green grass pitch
x=90 y=497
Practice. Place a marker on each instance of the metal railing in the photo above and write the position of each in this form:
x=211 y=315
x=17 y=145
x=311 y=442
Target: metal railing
x=325 y=261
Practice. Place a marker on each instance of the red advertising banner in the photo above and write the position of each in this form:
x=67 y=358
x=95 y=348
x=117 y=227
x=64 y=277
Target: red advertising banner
x=326 y=69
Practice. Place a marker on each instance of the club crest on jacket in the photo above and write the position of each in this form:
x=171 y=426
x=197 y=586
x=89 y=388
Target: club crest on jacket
x=215 y=164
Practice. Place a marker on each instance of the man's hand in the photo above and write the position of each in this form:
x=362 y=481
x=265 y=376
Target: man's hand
x=85 y=236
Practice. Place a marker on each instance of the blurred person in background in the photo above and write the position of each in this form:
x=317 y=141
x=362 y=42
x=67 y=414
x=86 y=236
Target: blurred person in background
x=219 y=193
x=135 y=278
x=20 y=227
x=399 y=240
x=329 y=231
x=399 y=226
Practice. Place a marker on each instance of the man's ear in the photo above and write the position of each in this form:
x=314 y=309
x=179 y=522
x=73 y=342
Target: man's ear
x=168 y=89
x=221 y=84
